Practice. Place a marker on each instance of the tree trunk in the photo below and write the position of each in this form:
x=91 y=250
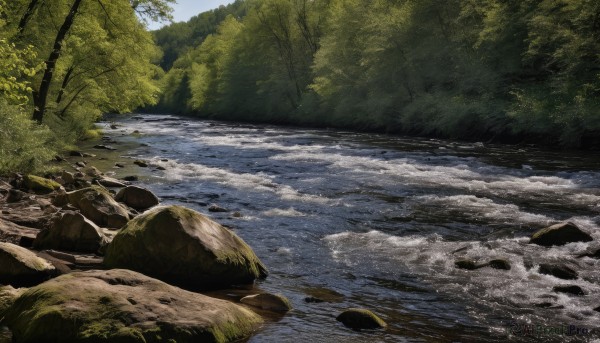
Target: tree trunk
x=27 y=15
x=41 y=96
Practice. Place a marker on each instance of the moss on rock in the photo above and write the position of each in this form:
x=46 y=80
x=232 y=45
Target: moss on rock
x=40 y=185
x=183 y=247
x=123 y=306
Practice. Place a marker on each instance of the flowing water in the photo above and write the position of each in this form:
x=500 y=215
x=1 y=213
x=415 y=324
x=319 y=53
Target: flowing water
x=376 y=221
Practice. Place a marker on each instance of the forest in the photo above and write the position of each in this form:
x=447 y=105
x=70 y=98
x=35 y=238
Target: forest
x=494 y=70
x=66 y=62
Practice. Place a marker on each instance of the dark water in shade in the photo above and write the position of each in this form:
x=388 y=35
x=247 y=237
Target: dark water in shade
x=375 y=221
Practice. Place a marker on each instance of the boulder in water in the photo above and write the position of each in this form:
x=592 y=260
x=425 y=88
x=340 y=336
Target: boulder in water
x=466 y=264
x=558 y=270
x=123 y=306
x=569 y=289
x=217 y=208
x=185 y=248
x=360 y=319
x=266 y=301
x=500 y=263
x=98 y=205
x=137 y=197
x=21 y=267
x=140 y=163
x=71 y=231
x=560 y=234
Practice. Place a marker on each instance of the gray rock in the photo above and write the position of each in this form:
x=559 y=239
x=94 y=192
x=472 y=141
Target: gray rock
x=140 y=163
x=560 y=234
x=361 y=319
x=569 y=289
x=501 y=264
x=137 y=197
x=96 y=204
x=123 y=306
x=558 y=270
x=21 y=267
x=466 y=264
x=185 y=248
x=71 y=231
x=266 y=301
x=110 y=182
x=217 y=208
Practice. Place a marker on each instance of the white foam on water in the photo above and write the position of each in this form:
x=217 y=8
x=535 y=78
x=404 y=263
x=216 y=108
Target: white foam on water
x=479 y=208
x=278 y=212
x=259 y=182
x=431 y=258
x=470 y=177
x=244 y=141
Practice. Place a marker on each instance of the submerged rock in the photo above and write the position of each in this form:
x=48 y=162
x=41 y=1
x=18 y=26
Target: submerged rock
x=360 y=319
x=137 y=197
x=560 y=234
x=499 y=264
x=98 y=205
x=217 y=208
x=21 y=267
x=558 y=270
x=266 y=301
x=71 y=231
x=131 y=178
x=183 y=247
x=40 y=185
x=140 y=163
x=569 y=289
x=466 y=264
x=313 y=300
x=123 y=306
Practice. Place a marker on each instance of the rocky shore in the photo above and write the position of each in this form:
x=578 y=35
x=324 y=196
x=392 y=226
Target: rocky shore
x=88 y=258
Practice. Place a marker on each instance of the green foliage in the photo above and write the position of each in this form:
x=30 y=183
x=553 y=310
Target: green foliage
x=462 y=69
x=178 y=38
x=24 y=145
x=106 y=64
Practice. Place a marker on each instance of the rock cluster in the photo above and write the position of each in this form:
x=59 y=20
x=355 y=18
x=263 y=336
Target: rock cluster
x=135 y=265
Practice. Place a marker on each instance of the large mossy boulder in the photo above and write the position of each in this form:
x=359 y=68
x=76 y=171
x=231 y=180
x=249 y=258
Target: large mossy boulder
x=21 y=267
x=137 y=197
x=40 y=185
x=123 y=306
x=560 y=234
x=185 y=248
x=71 y=231
x=98 y=205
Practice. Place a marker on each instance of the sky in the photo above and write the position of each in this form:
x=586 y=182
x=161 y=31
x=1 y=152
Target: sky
x=185 y=9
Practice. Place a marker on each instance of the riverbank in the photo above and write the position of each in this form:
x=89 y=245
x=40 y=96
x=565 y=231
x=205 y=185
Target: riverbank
x=57 y=234
x=380 y=222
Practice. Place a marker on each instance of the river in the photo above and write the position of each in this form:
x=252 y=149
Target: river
x=377 y=221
